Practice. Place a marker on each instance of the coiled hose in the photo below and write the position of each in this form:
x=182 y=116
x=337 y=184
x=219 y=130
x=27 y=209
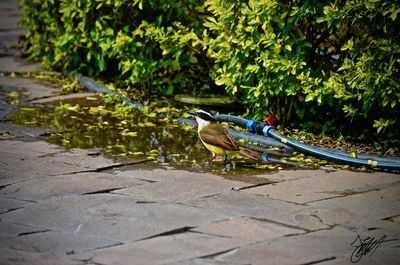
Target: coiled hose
x=264 y=129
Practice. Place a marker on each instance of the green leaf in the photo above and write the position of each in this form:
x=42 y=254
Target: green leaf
x=309 y=97
x=137 y=44
x=193 y=59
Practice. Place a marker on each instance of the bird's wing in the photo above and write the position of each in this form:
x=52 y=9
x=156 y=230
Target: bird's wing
x=218 y=136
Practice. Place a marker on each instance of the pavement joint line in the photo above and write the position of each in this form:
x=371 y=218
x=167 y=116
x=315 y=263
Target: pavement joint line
x=209 y=196
x=188 y=204
x=140 y=199
x=324 y=199
x=89 y=261
x=390 y=217
x=6 y=185
x=253 y=186
x=97 y=248
x=68 y=232
x=11 y=210
x=103 y=191
x=216 y=254
x=180 y=230
x=145 y=202
x=354 y=193
x=74 y=172
x=22 y=200
x=277 y=199
x=279 y=223
x=319 y=261
x=211 y=234
x=33 y=232
x=105 y=168
x=123 y=164
x=148 y=180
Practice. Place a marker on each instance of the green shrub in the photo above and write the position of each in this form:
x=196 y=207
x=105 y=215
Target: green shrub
x=330 y=62
x=326 y=64
x=141 y=43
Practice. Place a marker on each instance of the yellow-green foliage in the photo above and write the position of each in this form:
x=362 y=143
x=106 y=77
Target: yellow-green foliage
x=142 y=43
x=321 y=61
x=327 y=64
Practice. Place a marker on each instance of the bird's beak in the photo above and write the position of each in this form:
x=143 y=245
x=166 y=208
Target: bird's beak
x=192 y=113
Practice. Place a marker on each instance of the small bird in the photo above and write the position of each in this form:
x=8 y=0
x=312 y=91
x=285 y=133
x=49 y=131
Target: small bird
x=217 y=139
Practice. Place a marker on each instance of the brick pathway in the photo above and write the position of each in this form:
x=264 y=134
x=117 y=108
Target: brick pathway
x=74 y=206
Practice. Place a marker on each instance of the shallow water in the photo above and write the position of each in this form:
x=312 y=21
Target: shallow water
x=136 y=135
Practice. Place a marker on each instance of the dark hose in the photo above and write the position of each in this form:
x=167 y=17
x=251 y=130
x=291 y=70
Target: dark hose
x=343 y=157
x=331 y=156
x=92 y=85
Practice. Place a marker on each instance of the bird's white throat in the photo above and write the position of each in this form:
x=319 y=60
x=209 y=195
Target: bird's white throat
x=201 y=123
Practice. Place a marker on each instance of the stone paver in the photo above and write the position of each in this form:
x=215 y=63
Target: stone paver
x=10 y=231
x=9 y=30
x=45 y=188
x=22 y=257
x=17 y=65
x=379 y=204
x=247 y=229
x=236 y=204
x=7 y=205
x=56 y=243
x=116 y=217
x=180 y=186
x=162 y=250
x=27 y=160
x=313 y=248
x=351 y=219
x=30 y=88
x=323 y=186
x=151 y=214
x=19 y=131
x=10 y=15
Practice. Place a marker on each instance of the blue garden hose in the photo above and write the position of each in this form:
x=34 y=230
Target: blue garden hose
x=269 y=131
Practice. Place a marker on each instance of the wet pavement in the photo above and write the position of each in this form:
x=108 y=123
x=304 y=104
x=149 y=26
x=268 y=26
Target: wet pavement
x=78 y=206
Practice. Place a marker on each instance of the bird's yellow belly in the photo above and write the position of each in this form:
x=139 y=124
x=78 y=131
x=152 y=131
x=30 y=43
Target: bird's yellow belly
x=217 y=150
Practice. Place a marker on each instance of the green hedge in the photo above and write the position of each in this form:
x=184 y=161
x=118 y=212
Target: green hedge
x=142 y=44
x=326 y=64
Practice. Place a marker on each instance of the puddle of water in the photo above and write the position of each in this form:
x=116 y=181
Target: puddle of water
x=135 y=135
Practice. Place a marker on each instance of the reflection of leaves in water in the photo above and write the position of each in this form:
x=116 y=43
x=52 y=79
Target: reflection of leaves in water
x=118 y=132
x=6 y=136
x=13 y=94
x=123 y=131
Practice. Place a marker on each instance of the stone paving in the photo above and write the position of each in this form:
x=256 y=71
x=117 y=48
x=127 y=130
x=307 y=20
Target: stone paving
x=75 y=206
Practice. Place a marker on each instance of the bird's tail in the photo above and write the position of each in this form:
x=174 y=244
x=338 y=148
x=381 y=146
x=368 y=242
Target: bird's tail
x=250 y=153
